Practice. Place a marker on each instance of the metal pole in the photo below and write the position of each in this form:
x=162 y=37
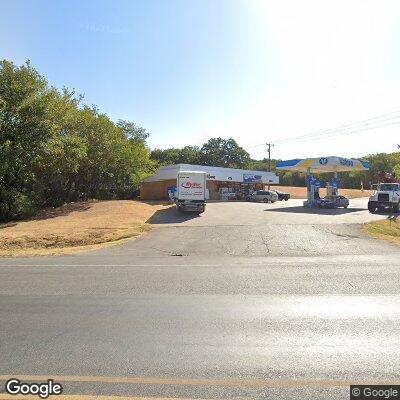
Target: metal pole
x=269 y=156
x=269 y=160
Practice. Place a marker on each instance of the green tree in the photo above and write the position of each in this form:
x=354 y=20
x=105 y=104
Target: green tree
x=133 y=132
x=53 y=150
x=396 y=171
x=224 y=153
x=24 y=128
x=185 y=155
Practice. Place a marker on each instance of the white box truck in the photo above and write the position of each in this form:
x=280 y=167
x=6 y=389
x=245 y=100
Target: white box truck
x=385 y=196
x=191 y=191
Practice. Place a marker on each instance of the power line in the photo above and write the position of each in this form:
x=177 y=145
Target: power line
x=257 y=145
x=338 y=134
x=349 y=126
x=326 y=133
x=317 y=134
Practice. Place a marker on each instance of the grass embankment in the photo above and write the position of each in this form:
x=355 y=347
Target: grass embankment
x=385 y=229
x=75 y=227
x=301 y=192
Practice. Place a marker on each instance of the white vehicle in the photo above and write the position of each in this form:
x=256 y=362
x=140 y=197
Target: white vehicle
x=266 y=196
x=386 y=195
x=191 y=191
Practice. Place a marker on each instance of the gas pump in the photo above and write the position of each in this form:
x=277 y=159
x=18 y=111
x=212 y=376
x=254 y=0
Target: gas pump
x=323 y=165
x=313 y=186
x=332 y=187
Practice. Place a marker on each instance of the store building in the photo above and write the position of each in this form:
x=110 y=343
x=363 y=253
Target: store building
x=222 y=183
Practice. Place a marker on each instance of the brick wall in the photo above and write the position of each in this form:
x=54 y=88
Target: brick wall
x=156 y=190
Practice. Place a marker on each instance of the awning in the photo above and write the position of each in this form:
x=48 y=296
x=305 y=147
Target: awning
x=323 y=164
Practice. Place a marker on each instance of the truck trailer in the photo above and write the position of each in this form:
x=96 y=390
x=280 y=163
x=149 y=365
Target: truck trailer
x=191 y=191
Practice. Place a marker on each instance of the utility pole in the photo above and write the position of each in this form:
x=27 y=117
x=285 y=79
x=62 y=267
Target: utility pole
x=269 y=145
x=269 y=155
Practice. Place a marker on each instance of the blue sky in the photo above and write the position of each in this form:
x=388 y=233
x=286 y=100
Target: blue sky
x=189 y=70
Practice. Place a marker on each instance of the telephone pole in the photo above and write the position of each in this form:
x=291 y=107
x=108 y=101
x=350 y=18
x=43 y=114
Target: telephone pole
x=269 y=155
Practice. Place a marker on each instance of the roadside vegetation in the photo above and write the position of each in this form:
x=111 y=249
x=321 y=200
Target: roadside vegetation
x=75 y=227
x=55 y=150
x=388 y=229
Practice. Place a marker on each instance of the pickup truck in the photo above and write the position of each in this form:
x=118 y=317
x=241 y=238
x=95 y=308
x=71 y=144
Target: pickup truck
x=282 y=195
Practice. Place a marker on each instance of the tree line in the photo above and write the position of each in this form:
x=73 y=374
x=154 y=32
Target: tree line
x=227 y=153
x=55 y=150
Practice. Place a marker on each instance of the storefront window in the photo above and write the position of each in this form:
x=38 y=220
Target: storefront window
x=236 y=190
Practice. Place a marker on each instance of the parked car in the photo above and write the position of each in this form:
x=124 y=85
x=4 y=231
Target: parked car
x=282 y=195
x=265 y=196
x=333 y=202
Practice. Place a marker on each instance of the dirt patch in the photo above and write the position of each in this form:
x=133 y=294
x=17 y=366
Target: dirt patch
x=76 y=226
x=388 y=229
x=301 y=192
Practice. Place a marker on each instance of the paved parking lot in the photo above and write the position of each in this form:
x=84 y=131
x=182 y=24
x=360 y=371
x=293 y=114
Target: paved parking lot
x=289 y=212
x=258 y=229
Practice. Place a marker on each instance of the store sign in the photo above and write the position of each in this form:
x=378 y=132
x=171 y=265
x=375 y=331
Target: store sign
x=323 y=161
x=345 y=162
x=251 y=178
x=191 y=185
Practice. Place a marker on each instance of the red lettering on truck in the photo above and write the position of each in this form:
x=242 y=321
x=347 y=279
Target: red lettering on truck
x=191 y=185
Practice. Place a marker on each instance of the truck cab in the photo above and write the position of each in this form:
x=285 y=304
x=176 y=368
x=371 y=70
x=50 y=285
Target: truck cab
x=191 y=191
x=385 y=196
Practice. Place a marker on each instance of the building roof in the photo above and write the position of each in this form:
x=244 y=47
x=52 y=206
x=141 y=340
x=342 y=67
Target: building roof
x=215 y=173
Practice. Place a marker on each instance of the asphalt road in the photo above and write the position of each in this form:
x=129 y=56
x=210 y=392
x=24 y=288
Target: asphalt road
x=137 y=319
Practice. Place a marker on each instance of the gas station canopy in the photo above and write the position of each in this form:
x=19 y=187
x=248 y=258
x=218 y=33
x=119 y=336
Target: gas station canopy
x=323 y=164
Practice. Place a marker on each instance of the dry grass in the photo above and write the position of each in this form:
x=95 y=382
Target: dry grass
x=301 y=192
x=76 y=226
x=385 y=229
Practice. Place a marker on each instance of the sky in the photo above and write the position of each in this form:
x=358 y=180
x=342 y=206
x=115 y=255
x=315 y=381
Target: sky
x=256 y=70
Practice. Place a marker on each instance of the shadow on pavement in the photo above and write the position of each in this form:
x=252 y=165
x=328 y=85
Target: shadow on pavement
x=171 y=216
x=322 y=211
